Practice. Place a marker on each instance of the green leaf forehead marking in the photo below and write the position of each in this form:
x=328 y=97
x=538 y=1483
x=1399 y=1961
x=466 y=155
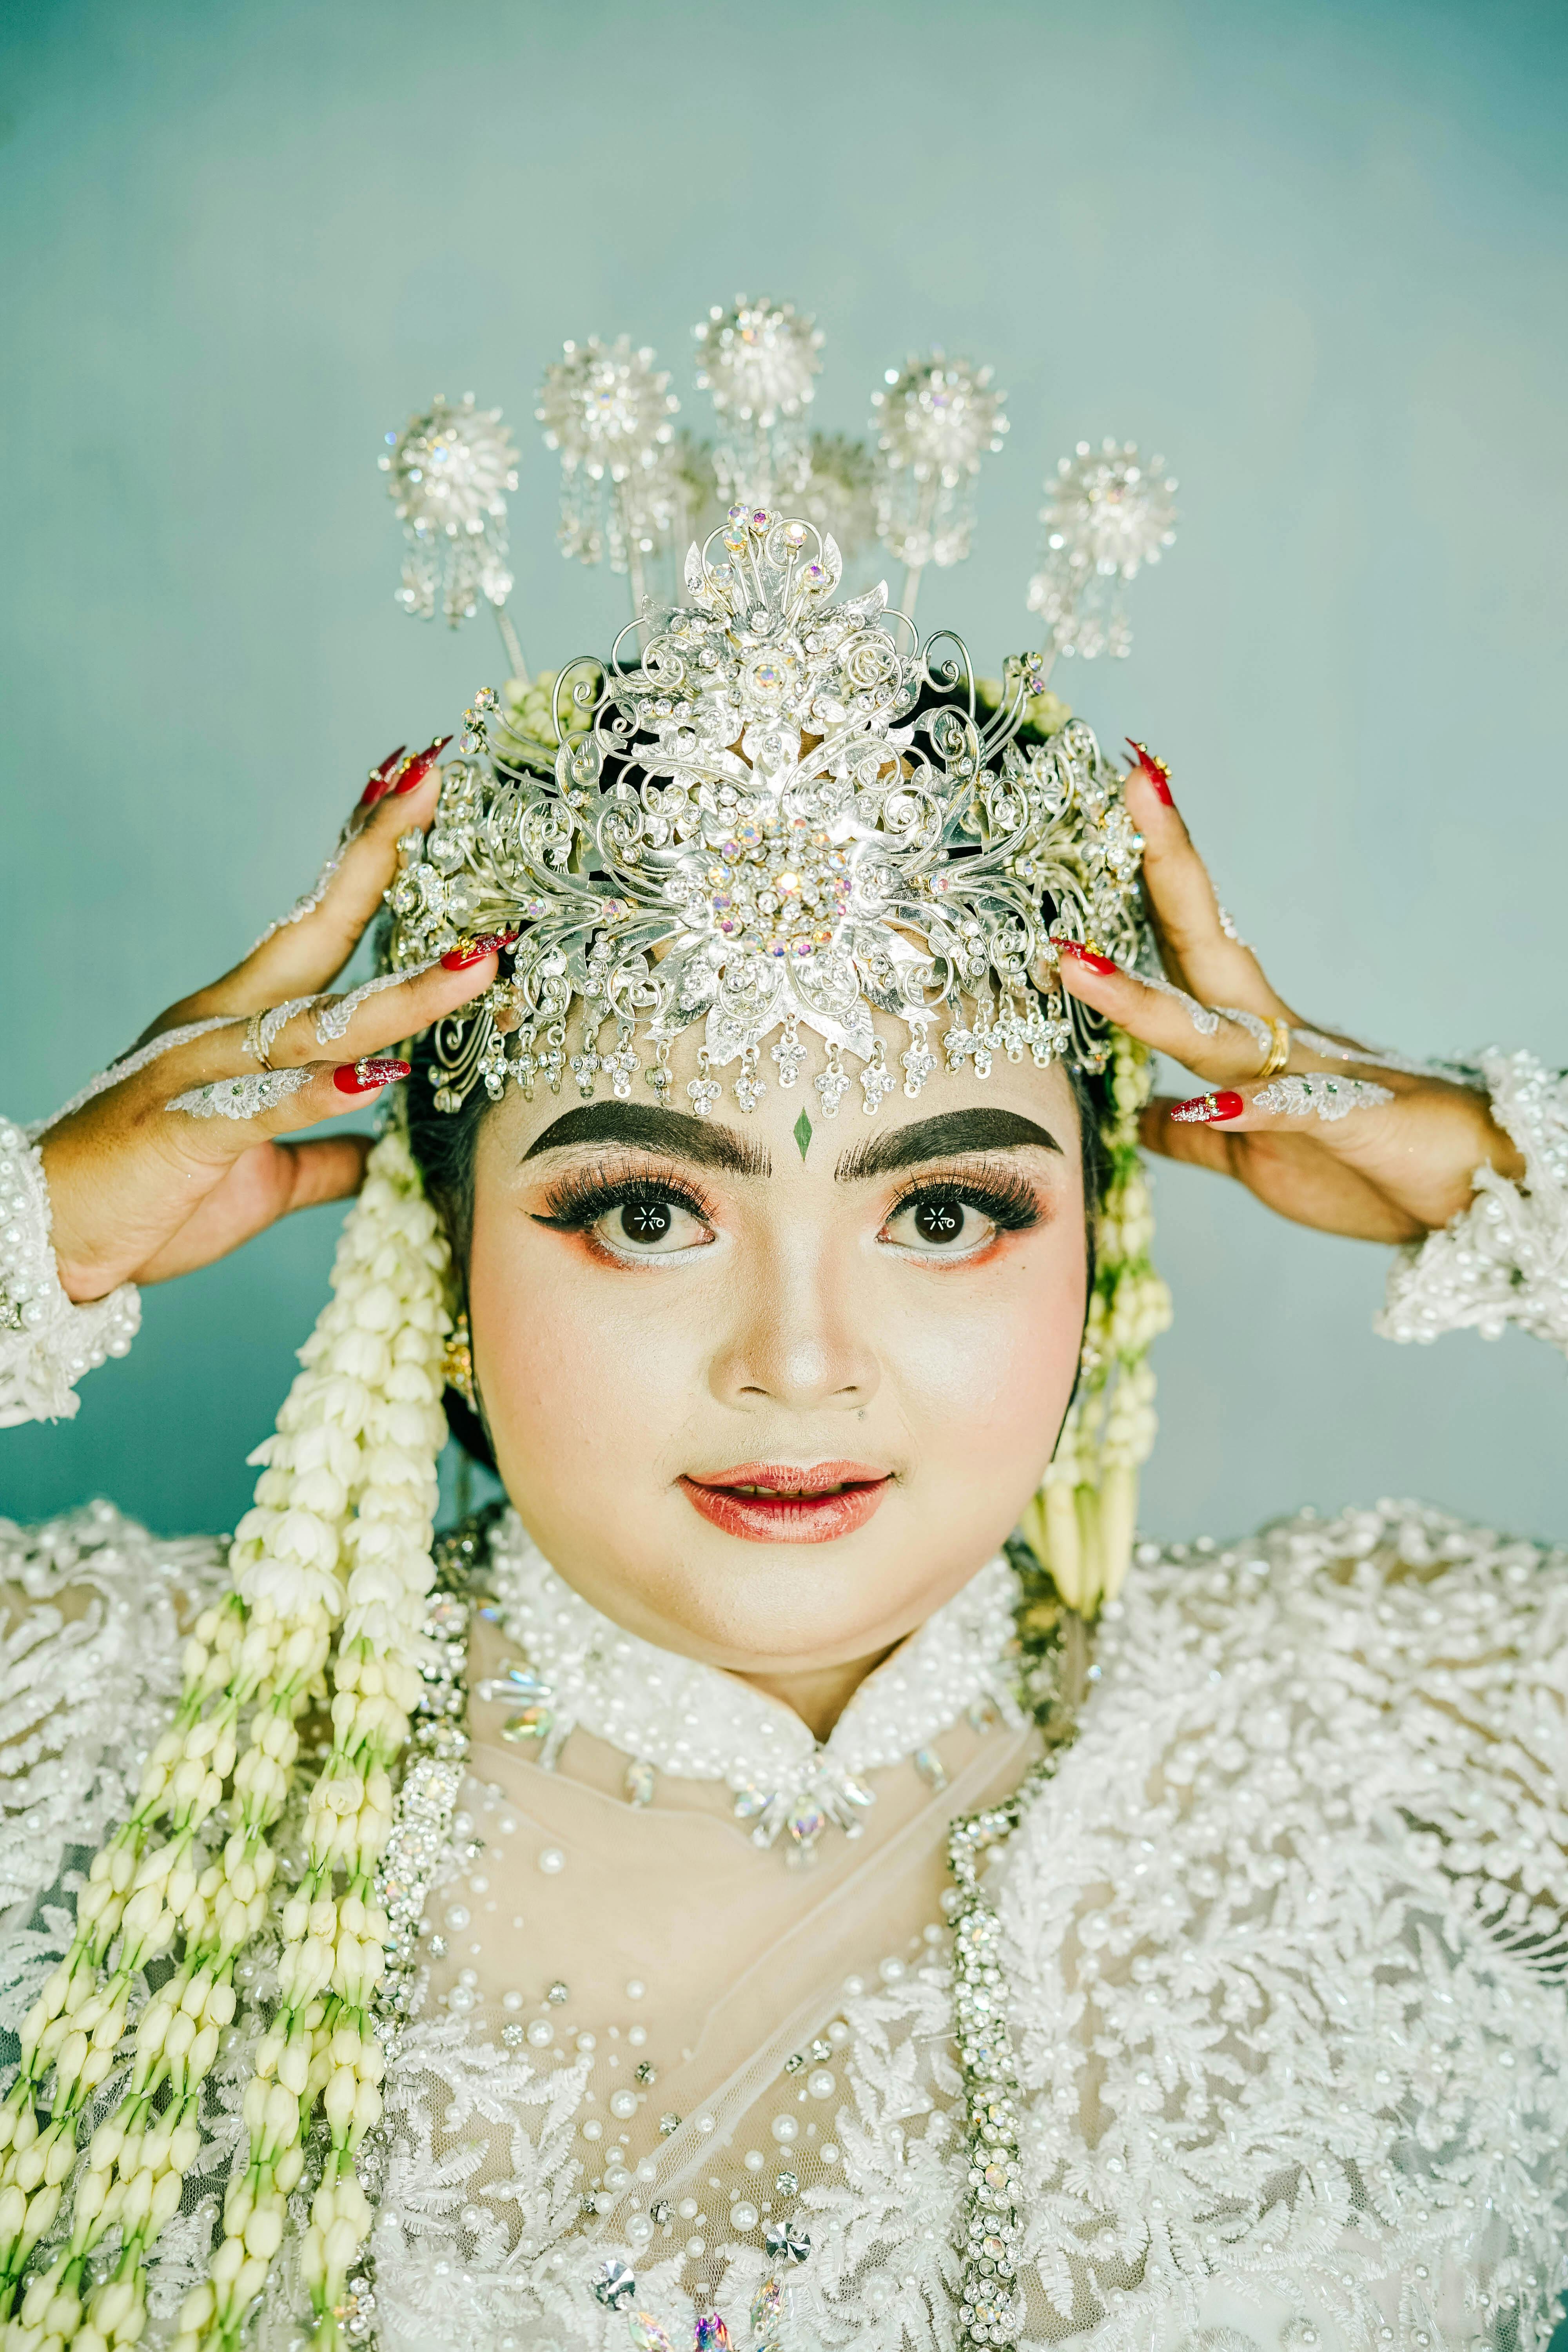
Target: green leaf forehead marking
x=803 y=1134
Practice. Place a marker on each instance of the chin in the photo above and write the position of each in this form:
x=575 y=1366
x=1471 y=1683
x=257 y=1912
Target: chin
x=759 y=1607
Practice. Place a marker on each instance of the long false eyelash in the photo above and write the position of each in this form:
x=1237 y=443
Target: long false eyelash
x=1011 y=1203
x=579 y=1199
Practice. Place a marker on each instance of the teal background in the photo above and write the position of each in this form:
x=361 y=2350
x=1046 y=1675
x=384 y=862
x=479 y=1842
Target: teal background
x=1310 y=252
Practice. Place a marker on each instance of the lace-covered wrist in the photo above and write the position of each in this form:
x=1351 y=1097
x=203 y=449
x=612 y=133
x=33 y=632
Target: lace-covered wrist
x=1504 y=1259
x=47 y=1343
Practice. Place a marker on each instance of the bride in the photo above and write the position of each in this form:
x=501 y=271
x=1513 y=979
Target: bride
x=770 y=1884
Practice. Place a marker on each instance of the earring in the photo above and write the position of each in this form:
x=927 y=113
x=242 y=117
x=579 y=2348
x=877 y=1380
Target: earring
x=457 y=1362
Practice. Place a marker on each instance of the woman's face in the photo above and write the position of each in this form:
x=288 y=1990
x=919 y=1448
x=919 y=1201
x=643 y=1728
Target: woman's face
x=766 y=1398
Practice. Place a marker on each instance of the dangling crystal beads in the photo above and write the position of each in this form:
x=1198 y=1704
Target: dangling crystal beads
x=917 y=1064
x=876 y=1079
x=788 y=1052
x=704 y=1089
x=832 y=1083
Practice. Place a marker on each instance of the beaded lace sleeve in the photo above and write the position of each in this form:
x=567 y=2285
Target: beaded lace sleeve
x=1503 y=1259
x=47 y=1343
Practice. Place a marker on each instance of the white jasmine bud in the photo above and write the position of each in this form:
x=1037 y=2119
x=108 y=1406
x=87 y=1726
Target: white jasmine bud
x=113 y=2305
x=166 y=2195
x=252 y=2278
x=264 y=2235
x=202 y=2052
x=197 y=2308
x=228 y=2263
x=340 y=2247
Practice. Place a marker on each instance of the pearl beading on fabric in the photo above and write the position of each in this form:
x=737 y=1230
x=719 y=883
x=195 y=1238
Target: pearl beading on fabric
x=46 y=1342
x=668 y=1714
x=1503 y=1259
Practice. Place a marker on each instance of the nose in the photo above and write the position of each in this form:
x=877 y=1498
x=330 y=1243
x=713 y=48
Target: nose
x=794 y=1338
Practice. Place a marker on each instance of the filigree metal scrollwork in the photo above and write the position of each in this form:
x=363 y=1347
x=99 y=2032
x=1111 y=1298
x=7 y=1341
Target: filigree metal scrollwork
x=775 y=818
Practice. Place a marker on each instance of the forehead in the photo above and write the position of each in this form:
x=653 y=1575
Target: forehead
x=1044 y=1098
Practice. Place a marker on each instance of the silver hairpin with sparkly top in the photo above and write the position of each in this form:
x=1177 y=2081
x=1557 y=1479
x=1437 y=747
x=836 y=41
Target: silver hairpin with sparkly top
x=781 y=819
x=638 y=488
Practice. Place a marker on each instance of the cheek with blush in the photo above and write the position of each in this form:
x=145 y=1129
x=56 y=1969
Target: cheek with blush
x=986 y=1369
x=586 y=1409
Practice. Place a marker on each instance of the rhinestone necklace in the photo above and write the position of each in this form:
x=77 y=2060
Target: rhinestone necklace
x=1053 y=1656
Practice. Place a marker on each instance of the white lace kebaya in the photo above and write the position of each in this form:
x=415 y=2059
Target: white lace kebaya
x=1285 y=1963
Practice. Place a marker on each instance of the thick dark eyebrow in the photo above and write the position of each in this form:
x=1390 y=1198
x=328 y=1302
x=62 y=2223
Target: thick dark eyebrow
x=953 y=1132
x=639 y=1127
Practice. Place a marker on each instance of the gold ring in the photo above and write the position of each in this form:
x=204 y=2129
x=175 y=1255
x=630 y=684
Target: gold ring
x=1279 y=1051
x=253 y=1044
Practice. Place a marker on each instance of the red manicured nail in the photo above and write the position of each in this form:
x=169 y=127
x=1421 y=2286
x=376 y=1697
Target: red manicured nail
x=1209 y=1110
x=368 y=1075
x=1154 y=768
x=381 y=778
x=459 y=959
x=1103 y=965
x=414 y=770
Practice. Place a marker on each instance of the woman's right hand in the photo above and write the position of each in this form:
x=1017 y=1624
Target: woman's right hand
x=150 y=1178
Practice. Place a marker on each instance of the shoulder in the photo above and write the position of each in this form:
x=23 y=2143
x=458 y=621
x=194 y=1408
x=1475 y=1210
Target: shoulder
x=1379 y=1669
x=93 y=1614
x=1381 y=1600
x=97 y=1551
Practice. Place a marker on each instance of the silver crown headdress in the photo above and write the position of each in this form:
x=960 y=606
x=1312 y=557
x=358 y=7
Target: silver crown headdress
x=775 y=819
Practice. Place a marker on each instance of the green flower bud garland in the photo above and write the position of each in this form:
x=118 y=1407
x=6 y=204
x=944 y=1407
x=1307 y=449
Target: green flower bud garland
x=1080 y=1524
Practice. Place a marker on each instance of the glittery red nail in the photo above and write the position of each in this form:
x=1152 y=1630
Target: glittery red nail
x=369 y=1074
x=459 y=959
x=1209 y=1110
x=1103 y=965
x=381 y=778
x=1154 y=768
x=414 y=770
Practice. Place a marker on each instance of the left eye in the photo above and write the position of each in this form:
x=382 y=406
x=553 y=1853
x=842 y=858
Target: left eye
x=940 y=1223
x=651 y=1227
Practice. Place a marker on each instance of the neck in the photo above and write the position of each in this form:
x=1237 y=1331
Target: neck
x=818 y=1695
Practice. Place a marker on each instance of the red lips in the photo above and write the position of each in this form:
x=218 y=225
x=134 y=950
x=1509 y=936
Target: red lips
x=779 y=1502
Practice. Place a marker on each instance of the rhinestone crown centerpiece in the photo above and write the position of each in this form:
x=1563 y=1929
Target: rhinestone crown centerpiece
x=782 y=814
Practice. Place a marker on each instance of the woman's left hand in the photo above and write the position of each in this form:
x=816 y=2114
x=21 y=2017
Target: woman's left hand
x=1336 y=1140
